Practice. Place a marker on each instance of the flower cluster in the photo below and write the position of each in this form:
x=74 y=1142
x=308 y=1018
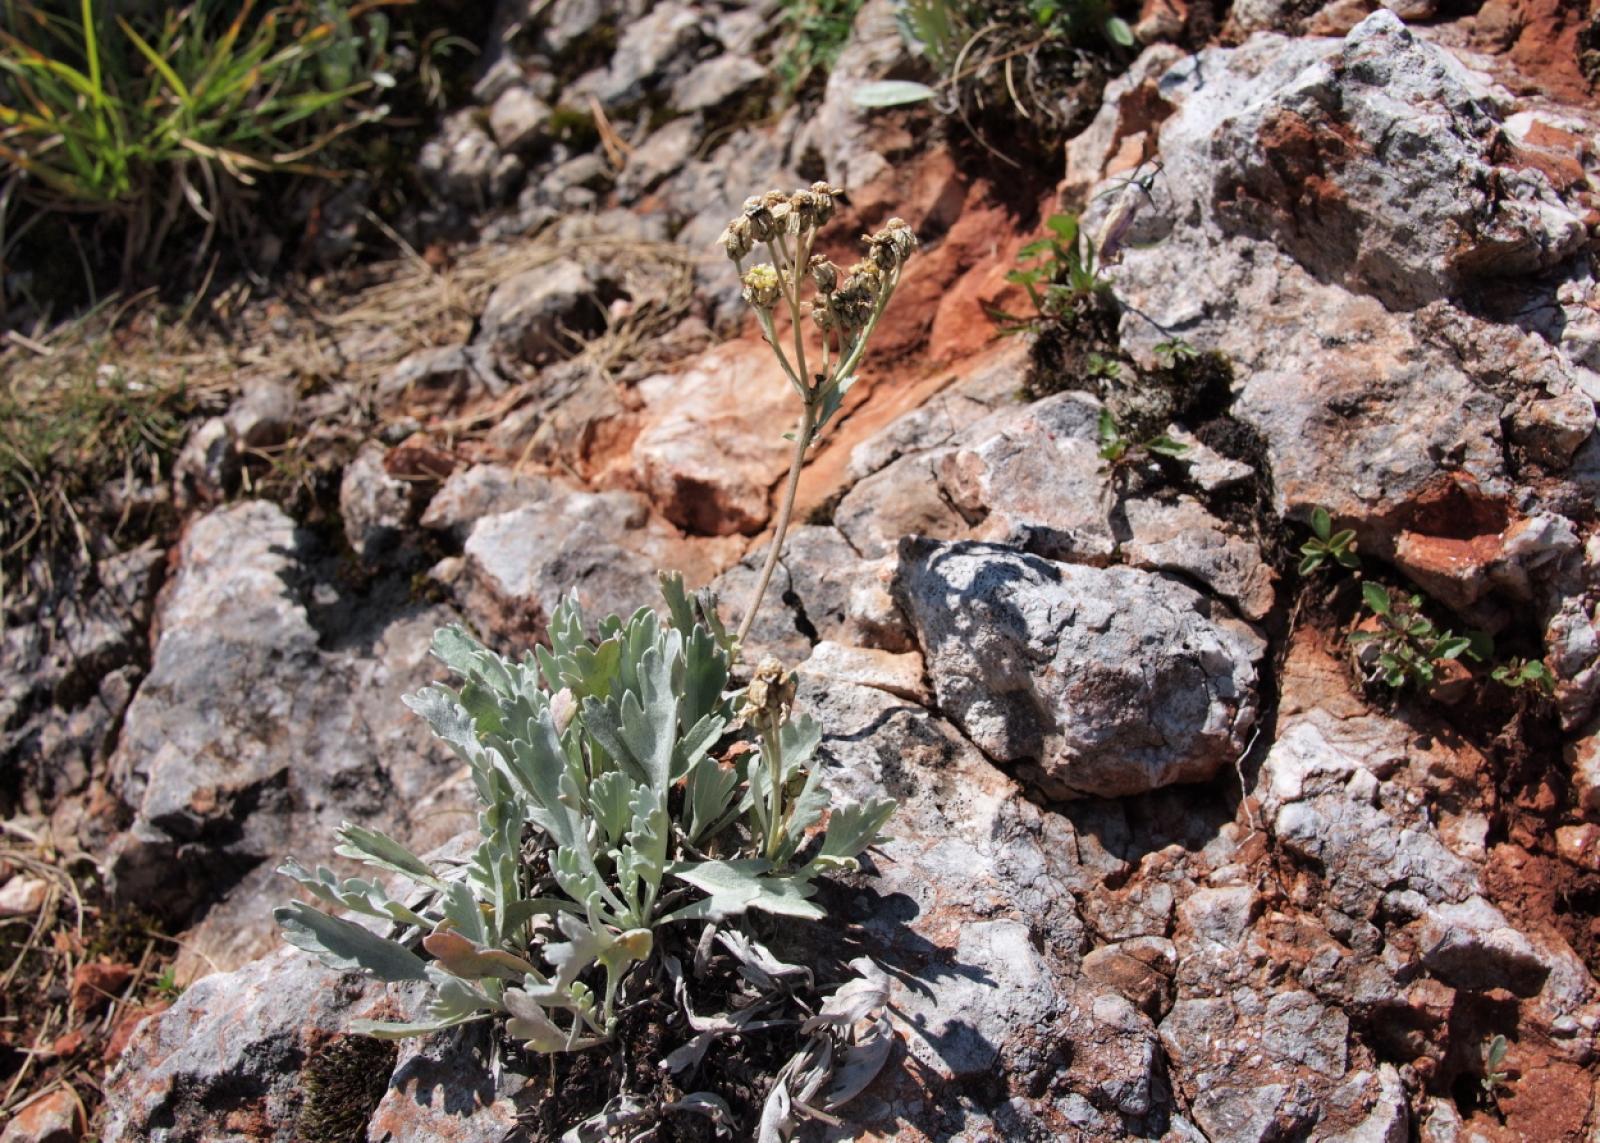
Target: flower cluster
x=844 y=306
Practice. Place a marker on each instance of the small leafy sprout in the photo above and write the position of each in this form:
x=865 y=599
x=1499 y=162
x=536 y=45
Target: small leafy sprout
x=1174 y=350
x=1493 y=1053
x=1059 y=272
x=166 y=985
x=1530 y=673
x=844 y=307
x=1326 y=544
x=1120 y=451
x=1406 y=648
x=1104 y=367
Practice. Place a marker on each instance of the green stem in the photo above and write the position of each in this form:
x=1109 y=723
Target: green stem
x=773 y=749
x=802 y=441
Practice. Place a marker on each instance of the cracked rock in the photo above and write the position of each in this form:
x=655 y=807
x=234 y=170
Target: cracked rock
x=1102 y=681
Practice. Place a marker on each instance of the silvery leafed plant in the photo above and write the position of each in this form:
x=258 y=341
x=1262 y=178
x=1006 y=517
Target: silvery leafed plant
x=627 y=788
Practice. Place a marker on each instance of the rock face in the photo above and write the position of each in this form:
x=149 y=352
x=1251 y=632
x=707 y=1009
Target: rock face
x=715 y=447
x=248 y=735
x=1160 y=869
x=1107 y=681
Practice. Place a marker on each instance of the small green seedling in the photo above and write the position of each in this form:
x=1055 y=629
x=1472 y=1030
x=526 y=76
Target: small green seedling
x=1326 y=544
x=1409 y=647
x=1531 y=673
x=167 y=985
x=1059 y=272
x=1175 y=350
x=1120 y=450
x=1104 y=367
x=1494 y=1058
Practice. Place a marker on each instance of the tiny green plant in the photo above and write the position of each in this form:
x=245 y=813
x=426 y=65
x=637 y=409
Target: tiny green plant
x=1119 y=450
x=815 y=33
x=1525 y=674
x=1174 y=351
x=1493 y=1054
x=1327 y=545
x=1059 y=273
x=1405 y=648
x=166 y=985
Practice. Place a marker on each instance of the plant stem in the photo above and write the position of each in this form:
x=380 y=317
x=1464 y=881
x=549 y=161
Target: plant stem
x=802 y=441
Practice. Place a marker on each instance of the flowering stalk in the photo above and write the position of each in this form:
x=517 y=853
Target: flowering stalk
x=844 y=307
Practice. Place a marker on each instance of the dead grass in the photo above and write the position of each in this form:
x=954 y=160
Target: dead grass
x=48 y=1043
x=96 y=410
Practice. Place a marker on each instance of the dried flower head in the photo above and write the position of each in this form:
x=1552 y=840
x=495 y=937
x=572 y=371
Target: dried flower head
x=770 y=693
x=758 y=216
x=736 y=238
x=763 y=286
x=889 y=248
x=824 y=273
x=825 y=197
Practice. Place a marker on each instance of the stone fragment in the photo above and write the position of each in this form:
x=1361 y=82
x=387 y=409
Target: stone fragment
x=1471 y=945
x=1413 y=127
x=715 y=82
x=518 y=120
x=23 y=896
x=1182 y=536
x=263 y=414
x=899 y=675
x=1032 y=477
x=235 y=1045
x=207 y=467
x=533 y=316
x=483 y=490
x=712 y=449
x=55 y=1116
x=652 y=52
x=1107 y=681
x=247 y=736
x=1552 y=429
x=437 y=382
x=1583 y=757
x=377 y=508
x=462 y=165
x=607 y=548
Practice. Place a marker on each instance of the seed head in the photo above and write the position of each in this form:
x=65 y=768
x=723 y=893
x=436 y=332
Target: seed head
x=824 y=273
x=763 y=286
x=770 y=693
x=736 y=238
x=889 y=248
x=758 y=214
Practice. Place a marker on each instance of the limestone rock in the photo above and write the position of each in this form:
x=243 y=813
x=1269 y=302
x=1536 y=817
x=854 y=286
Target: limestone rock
x=712 y=447
x=376 y=508
x=247 y=734
x=715 y=82
x=463 y=166
x=438 y=382
x=1106 y=681
x=532 y=316
x=518 y=120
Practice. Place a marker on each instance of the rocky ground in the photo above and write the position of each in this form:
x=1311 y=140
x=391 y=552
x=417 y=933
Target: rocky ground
x=1164 y=867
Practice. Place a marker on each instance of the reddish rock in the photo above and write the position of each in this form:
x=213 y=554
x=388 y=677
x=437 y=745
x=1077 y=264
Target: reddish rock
x=712 y=445
x=96 y=983
x=55 y=1117
x=128 y=1022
